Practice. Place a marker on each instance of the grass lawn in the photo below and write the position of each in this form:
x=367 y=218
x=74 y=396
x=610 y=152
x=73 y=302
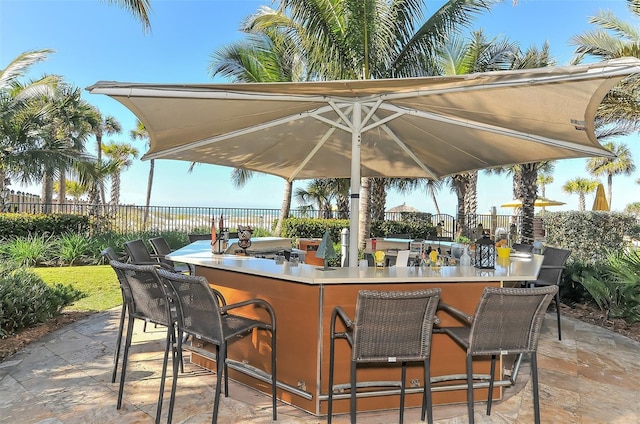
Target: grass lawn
x=98 y=282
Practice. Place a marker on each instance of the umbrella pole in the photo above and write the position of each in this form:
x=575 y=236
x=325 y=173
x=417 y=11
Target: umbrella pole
x=356 y=139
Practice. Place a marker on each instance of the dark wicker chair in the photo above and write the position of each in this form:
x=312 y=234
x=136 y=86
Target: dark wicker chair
x=388 y=324
x=161 y=249
x=507 y=321
x=110 y=255
x=149 y=302
x=196 y=237
x=201 y=316
x=553 y=264
x=139 y=255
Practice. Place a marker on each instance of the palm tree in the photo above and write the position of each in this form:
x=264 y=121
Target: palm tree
x=140 y=9
x=140 y=133
x=544 y=179
x=318 y=195
x=67 y=126
x=122 y=154
x=345 y=39
x=581 y=187
x=108 y=125
x=21 y=118
x=619 y=111
x=621 y=164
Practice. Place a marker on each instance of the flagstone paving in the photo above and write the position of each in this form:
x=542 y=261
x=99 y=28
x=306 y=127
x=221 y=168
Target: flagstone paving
x=591 y=376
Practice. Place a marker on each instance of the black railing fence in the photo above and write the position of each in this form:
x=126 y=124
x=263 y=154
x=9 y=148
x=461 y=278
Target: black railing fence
x=133 y=218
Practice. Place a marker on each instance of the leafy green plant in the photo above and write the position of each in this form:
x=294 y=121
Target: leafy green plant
x=25 y=299
x=614 y=284
x=74 y=248
x=30 y=250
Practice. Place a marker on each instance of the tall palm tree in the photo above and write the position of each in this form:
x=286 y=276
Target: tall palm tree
x=21 y=119
x=318 y=195
x=345 y=39
x=621 y=164
x=140 y=133
x=581 y=187
x=122 y=154
x=543 y=180
x=108 y=125
x=68 y=124
x=619 y=112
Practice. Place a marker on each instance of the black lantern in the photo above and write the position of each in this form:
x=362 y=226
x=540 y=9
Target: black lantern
x=485 y=253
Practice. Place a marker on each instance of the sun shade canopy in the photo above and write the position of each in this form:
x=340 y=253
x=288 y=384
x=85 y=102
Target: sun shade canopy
x=415 y=127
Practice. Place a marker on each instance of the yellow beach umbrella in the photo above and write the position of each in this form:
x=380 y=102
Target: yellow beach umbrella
x=600 y=202
x=540 y=202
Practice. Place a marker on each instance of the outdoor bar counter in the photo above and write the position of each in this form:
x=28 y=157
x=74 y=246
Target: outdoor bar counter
x=303 y=298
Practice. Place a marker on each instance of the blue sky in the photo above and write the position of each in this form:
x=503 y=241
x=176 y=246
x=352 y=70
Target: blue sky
x=95 y=41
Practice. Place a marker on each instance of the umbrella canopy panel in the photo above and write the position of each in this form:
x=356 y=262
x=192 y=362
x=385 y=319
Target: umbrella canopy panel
x=419 y=127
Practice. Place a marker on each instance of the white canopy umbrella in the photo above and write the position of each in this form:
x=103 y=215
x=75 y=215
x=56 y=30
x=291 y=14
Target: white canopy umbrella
x=415 y=127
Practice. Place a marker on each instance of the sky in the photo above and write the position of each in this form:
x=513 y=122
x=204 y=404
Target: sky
x=94 y=41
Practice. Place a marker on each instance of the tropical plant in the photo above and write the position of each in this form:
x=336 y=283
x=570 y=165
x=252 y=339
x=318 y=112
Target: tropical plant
x=620 y=164
x=370 y=39
x=107 y=125
x=122 y=154
x=74 y=249
x=140 y=133
x=619 y=111
x=30 y=250
x=544 y=179
x=26 y=300
x=633 y=209
x=140 y=9
x=581 y=187
x=67 y=125
x=318 y=195
x=21 y=116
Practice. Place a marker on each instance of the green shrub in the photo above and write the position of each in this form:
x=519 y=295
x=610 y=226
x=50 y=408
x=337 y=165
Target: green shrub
x=26 y=300
x=22 y=224
x=74 y=249
x=589 y=234
x=614 y=284
x=30 y=250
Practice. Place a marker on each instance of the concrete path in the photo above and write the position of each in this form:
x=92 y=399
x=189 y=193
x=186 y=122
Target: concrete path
x=592 y=376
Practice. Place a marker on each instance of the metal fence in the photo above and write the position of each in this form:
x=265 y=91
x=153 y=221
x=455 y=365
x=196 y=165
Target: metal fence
x=133 y=218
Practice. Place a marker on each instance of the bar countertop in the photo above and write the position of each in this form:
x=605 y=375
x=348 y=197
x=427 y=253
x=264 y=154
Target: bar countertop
x=513 y=269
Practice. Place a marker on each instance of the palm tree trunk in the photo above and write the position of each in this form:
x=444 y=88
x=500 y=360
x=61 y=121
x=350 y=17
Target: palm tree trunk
x=99 y=156
x=47 y=192
x=365 y=211
x=62 y=192
x=285 y=208
x=526 y=190
x=4 y=191
x=378 y=198
x=610 y=187
x=149 y=187
x=432 y=194
x=471 y=199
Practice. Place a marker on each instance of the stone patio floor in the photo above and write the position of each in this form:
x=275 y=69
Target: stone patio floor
x=591 y=376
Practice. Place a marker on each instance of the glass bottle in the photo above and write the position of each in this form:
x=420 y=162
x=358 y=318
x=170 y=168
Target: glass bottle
x=465 y=259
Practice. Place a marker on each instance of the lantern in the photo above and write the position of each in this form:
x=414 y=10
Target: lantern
x=485 y=256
